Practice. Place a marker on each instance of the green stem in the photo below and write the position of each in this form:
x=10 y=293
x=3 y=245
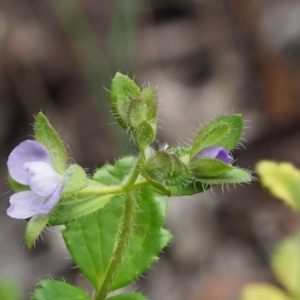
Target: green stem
x=134 y=174
x=129 y=185
x=125 y=234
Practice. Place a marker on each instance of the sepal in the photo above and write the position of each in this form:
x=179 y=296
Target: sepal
x=224 y=131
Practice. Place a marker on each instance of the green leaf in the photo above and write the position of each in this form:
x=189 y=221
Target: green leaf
x=75 y=179
x=138 y=112
x=92 y=240
x=149 y=96
x=208 y=168
x=158 y=165
x=122 y=86
x=263 y=291
x=47 y=136
x=9 y=290
x=114 y=175
x=282 y=180
x=189 y=188
x=16 y=186
x=77 y=206
x=34 y=228
x=147 y=240
x=235 y=176
x=58 y=290
x=128 y=296
x=144 y=135
x=224 y=131
x=285 y=262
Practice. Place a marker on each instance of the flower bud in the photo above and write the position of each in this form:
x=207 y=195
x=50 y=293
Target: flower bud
x=211 y=162
x=215 y=152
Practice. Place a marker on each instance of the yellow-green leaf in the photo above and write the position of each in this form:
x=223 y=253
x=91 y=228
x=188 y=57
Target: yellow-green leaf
x=263 y=291
x=282 y=180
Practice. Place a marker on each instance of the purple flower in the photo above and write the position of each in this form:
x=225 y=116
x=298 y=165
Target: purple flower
x=30 y=164
x=215 y=152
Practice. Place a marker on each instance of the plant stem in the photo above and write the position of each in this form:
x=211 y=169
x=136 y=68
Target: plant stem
x=125 y=234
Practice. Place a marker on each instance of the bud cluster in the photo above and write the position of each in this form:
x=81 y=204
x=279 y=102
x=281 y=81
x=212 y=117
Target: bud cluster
x=135 y=110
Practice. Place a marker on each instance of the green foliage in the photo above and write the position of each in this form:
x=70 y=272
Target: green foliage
x=75 y=179
x=114 y=175
x=147 y=240
x=58 y=290
x=77 y=206
x=47 y=136
x=34 y=228
x=224 y=131
x=92 y=240
x=114 y=219
x=128 y=296
x=208 y=168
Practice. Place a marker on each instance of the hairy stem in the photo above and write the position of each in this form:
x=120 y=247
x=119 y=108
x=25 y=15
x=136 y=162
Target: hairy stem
x=125 y=234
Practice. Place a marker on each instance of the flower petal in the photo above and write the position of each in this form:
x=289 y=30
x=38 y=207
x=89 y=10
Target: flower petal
x=27 y=151
x=43 y=179
x=215 y=152
x=51 y=201
x=24 y=204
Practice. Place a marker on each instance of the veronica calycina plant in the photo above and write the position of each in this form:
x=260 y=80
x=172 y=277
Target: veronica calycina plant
x=114 y=219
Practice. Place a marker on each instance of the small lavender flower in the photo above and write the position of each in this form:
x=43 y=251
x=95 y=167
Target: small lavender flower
x=215 y=152
x=30 y=164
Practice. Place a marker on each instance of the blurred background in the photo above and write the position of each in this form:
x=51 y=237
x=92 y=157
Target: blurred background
x=207 y=58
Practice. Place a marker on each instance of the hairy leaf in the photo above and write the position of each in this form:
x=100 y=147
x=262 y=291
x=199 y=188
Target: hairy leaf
x=224 y=131
x=122 y=86
x=77 y=206
x=92 y=240
x=58 y=290
x=48 y=137
x=147 y=240
x=128 y=296
x=114 y=175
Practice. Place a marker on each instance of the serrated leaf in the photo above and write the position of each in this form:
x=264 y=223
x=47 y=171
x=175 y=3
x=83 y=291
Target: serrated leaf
x=122 y=85
x=224 y=131
x=263 y=291
x=58 y=290
x=285 y=262
x=189 y=188
x=34 y=228
x=208 y=168
x=92 y=240
x=77 y=206
x=128 y=296
x=48 y=137
x=235 y=176
x=282 y=180
x=75 y=179
x=114 y=175
x=147 y=240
